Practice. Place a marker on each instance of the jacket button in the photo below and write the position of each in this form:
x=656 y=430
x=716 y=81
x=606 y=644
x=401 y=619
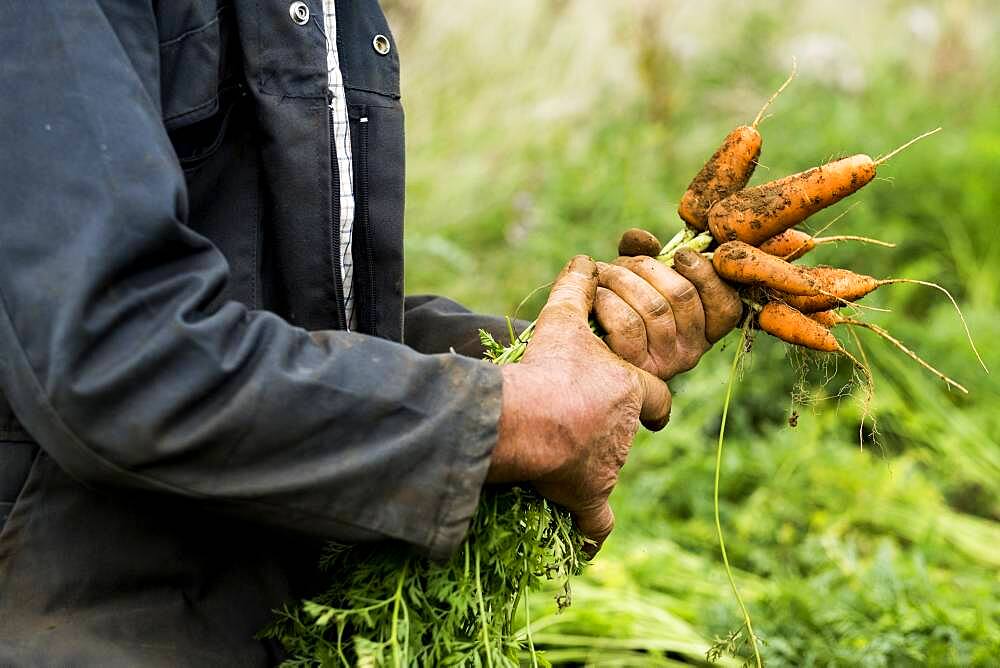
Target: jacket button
x=381 y=44
x=299 y=11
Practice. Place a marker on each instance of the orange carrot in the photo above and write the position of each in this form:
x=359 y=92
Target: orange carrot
x=791 y=326
x=792 y=244
x=828 y=318
x=835 y=288
x=756 y=214
x=728 y=170
x=789 y=245
x=744 y=264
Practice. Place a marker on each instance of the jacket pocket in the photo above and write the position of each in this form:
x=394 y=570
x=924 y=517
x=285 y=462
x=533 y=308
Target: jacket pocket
x=196 y=142
x=194 y=63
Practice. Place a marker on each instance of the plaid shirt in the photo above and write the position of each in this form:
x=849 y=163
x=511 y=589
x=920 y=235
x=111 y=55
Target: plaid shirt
x=342 y=146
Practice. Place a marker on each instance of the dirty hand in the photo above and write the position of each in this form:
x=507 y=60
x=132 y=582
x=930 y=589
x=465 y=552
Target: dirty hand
x=571 y=407
x=660 y=319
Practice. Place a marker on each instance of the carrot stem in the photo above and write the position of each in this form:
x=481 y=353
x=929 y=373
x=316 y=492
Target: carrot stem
x=733 y=372
x=775 y=94
x=879 y=161
x=483 y=626
x=696 y=242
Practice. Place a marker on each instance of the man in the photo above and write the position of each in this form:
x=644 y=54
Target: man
x=203 y=364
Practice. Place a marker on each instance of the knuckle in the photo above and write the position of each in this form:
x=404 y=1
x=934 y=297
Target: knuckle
x=632 y=325
x=612 y=270
x=624 y=262
x=685 y=294
x=570 y=289
x=658 y=308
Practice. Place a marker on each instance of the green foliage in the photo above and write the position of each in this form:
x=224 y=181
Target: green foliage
x=386 y=606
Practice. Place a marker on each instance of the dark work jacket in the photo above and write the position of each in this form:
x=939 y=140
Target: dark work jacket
x=182 y=417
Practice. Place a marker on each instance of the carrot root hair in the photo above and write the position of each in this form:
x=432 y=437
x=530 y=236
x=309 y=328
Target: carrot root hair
x=906 y=351
x=836 y=218
x=861 y=348
x=775 y=94
x=866 y=403
x=961 y=317
x=854 y=304
x=878 y=161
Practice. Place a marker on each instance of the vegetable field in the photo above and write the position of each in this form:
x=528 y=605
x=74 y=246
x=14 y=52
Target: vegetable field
x=538 y=130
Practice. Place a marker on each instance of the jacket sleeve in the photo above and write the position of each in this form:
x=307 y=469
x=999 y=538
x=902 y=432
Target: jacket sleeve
x=437 y=325
x=113 y=361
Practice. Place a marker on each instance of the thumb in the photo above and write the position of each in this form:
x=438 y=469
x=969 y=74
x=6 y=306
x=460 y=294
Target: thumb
x=656 y=401
x=572 y=295
x=596 y=525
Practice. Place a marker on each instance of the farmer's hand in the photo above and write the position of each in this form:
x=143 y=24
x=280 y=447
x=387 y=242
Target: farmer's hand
x=662 y=319
x=571 y=407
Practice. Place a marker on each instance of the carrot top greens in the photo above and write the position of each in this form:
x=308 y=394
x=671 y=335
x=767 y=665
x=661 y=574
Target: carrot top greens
x=386 y=605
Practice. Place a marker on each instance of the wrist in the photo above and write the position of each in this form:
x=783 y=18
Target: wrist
x=526 y=433
x=504 y=462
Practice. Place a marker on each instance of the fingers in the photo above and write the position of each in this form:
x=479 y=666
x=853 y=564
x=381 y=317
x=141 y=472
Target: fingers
x=596 y=526
x=721 y=303
x=682 y=295
x=572 y=295
x=656 y=401
x=626 y=332
x=651 y=306
x=639 y=242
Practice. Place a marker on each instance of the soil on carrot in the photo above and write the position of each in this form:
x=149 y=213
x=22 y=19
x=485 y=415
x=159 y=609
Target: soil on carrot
x=710 y=180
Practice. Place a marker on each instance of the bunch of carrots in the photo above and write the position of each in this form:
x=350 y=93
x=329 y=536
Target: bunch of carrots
x=751 y=235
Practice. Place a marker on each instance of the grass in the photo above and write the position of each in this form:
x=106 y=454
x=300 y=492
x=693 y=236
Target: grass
x=543 y=129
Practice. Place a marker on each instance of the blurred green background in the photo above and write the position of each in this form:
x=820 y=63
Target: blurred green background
x=538 y=130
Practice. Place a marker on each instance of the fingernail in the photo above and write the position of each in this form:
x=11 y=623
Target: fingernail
x=683 y=257
x=582 y=264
